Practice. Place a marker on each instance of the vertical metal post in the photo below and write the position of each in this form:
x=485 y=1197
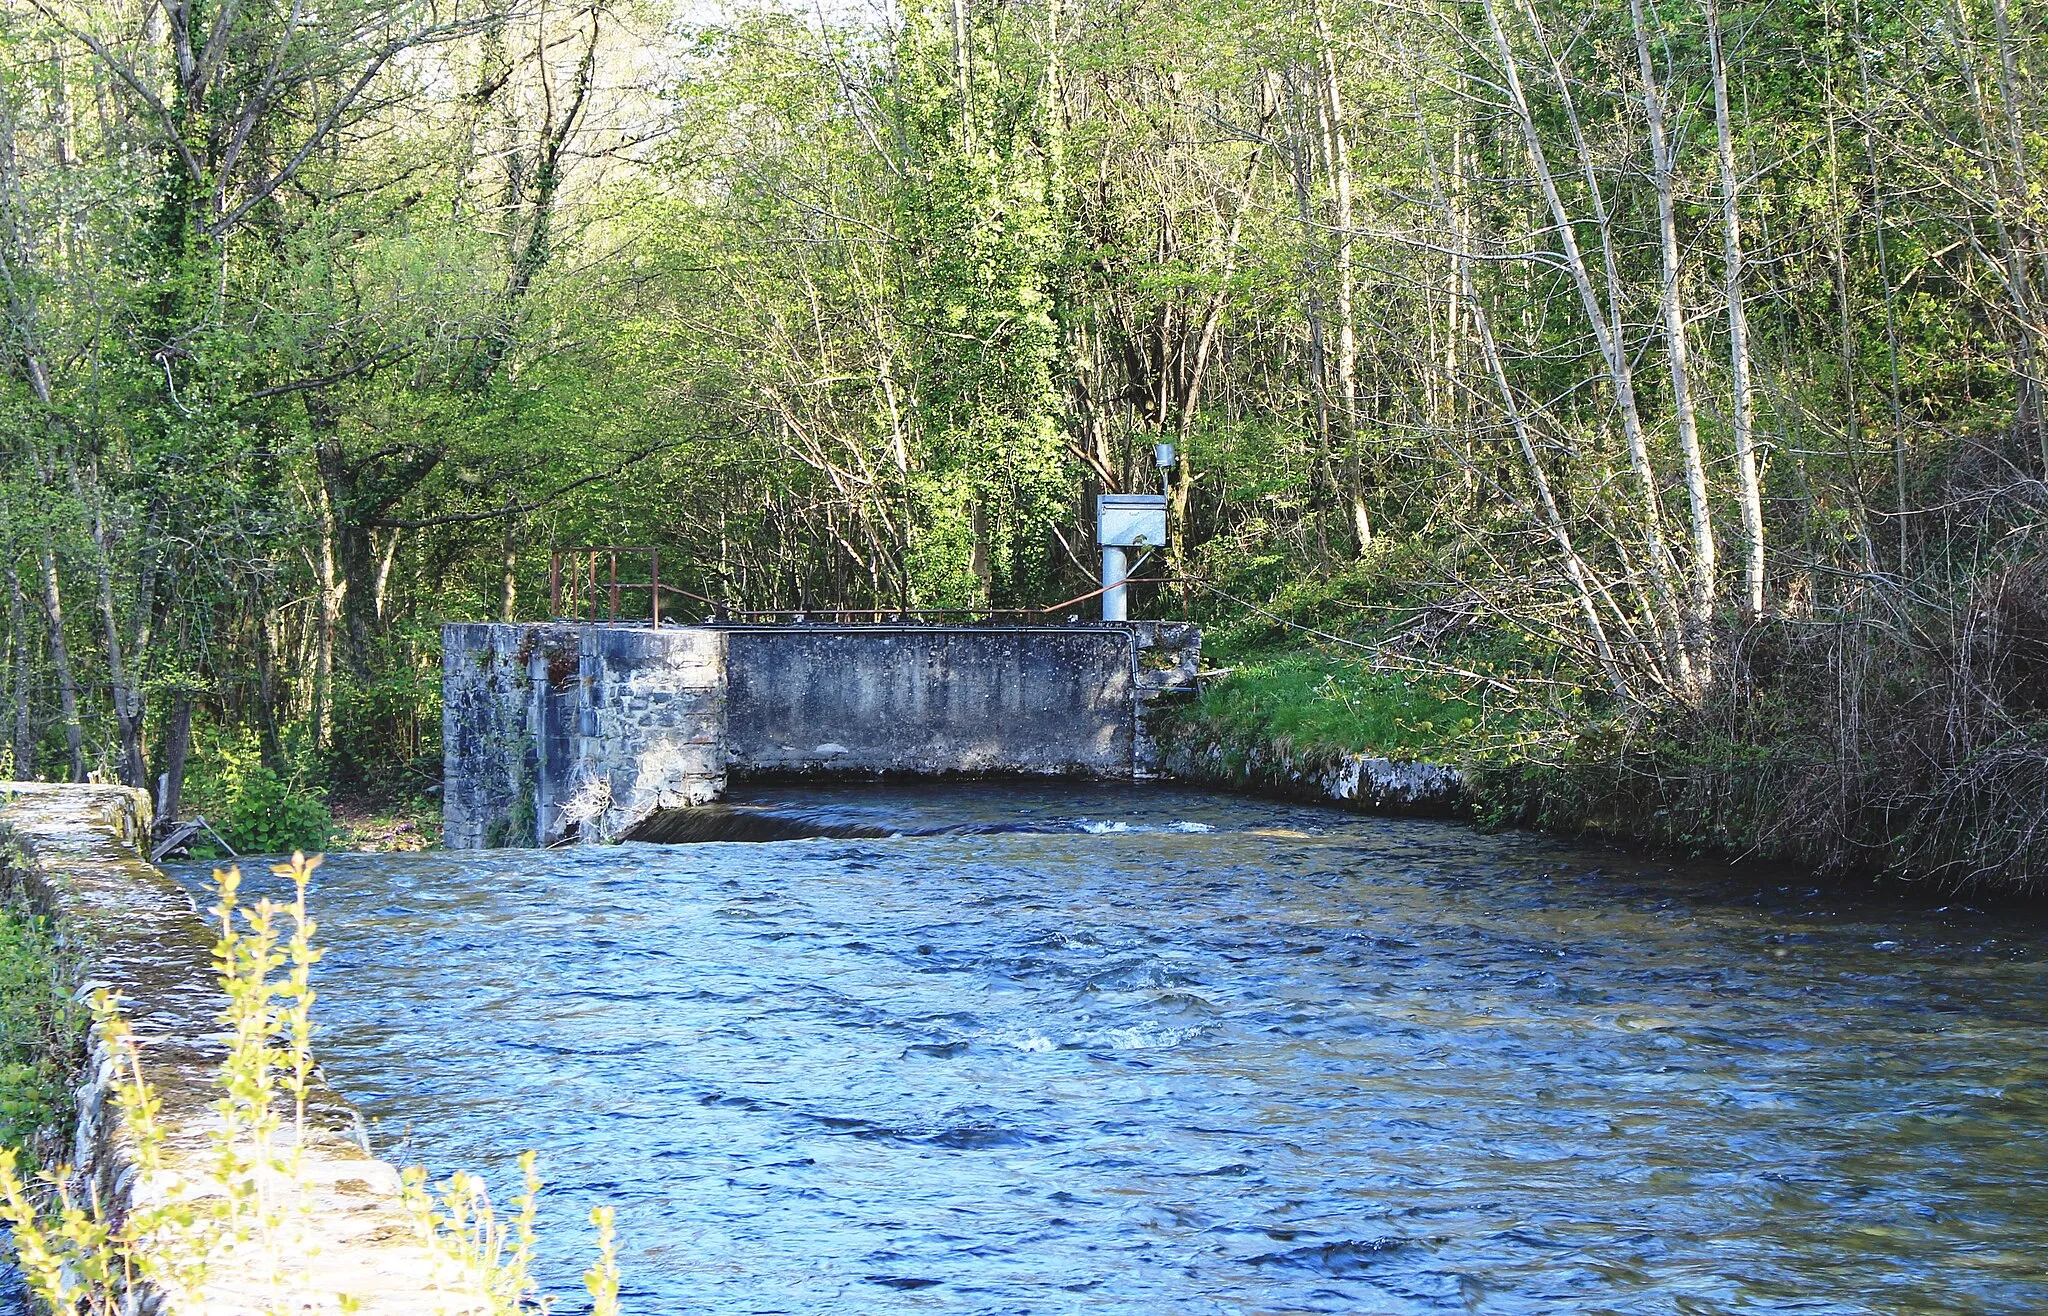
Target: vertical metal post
x=654 y=582
x=555 y=583
x=1116 y=565
x=615 y=584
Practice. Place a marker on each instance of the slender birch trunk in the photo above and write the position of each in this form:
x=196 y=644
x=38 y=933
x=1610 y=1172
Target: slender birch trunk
x=1606 y=333
x=1743 y=391
x=508 y=601
x=380 y=586
x=1337 y=146
x=328 y=622
x=1664 y=179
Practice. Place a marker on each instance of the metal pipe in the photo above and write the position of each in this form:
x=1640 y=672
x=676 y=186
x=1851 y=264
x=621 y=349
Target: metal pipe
x=1116 y=566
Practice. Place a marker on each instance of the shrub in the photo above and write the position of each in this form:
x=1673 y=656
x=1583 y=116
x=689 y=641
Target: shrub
x=40 y=1030
x=269 y=815
x=256 y=809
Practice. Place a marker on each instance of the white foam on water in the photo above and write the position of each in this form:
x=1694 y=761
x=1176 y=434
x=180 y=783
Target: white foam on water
x=1124 y=828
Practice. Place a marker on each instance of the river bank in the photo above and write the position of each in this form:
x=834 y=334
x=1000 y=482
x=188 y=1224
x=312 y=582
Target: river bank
x=1509 y=744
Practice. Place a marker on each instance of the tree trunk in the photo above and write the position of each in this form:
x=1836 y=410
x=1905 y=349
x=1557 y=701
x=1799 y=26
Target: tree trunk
x=1699 y=621
x=381 y=589
x=24 y=727
x=329 y=587
x=60 y=658
x=266 y=686
x=1744 y=400
x=177 y=750
x=1337 y=147
x=1337 y=150
x=508 y=603
x=1613 y=350
x=124 y=679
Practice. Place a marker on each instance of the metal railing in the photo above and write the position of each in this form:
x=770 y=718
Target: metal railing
x=584 y=584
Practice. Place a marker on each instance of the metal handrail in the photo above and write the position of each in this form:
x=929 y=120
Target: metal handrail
x=991 y=613
x=576 y=595
x=583 y=592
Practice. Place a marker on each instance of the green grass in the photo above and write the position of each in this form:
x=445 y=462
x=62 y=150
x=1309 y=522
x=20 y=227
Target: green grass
x=1315 y=700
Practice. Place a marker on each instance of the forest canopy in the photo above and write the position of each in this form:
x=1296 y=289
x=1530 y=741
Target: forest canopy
x=1683 y=354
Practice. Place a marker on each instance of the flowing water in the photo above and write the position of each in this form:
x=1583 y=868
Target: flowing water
x=1090 y=1049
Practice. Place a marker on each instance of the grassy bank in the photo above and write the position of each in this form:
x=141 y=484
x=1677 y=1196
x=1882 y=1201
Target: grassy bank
x=1901 y=755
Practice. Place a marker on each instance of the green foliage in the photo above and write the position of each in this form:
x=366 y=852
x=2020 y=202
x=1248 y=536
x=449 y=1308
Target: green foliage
x=41 y=1028
x=256 y=809
x=269 y=814
x=849 y=314
x=387 y=724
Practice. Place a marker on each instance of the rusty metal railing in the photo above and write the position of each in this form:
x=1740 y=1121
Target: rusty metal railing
x=1045 y=616
x=584 y=585
x=576 y=593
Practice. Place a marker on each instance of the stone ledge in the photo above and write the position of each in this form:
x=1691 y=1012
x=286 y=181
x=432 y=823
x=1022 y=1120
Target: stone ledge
x=1363 y=782
x=347 y=1243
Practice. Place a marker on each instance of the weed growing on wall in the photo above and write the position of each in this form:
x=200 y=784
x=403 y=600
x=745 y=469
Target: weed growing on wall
x=238 y=1217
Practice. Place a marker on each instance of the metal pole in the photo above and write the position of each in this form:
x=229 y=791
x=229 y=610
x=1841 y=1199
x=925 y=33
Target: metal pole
x=1116 y=565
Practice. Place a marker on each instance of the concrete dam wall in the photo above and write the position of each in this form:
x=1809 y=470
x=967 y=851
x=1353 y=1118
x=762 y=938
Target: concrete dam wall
x=554 y=730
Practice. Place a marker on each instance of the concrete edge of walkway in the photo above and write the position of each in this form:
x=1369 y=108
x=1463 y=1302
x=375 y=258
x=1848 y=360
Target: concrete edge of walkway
x=340 y=1238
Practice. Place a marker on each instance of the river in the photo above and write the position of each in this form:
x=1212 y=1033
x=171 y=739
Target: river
x=1064 y=1049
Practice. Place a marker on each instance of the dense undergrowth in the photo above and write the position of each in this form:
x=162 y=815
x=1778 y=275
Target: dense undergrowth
x=42 y=1031
x=1893 y=733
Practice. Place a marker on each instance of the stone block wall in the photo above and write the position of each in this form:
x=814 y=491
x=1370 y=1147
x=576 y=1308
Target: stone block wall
x=1165 y=658
x=651 y=731
x=509 y=695
x=654 y=720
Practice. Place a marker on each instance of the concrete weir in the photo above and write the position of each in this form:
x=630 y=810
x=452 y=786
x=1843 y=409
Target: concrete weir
x=554 y=731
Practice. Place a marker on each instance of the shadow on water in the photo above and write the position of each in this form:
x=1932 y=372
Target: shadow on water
x=1037 y=1047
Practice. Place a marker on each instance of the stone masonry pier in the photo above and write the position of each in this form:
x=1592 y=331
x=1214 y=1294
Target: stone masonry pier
x=554 y=731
